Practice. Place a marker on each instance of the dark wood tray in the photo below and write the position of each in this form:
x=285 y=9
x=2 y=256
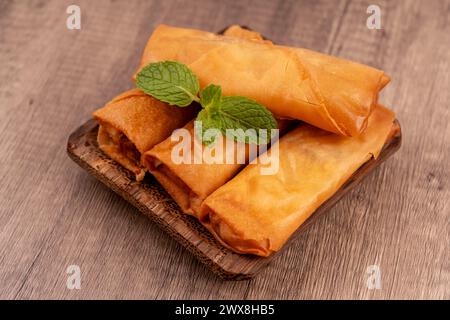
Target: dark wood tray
x=152 y=200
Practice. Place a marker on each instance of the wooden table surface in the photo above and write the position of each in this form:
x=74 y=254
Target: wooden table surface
x=53 y=214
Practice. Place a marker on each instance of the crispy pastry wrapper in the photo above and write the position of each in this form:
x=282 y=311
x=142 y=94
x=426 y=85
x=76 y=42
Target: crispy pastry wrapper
x=134 y=122
x=334 y=94
x=190 y=183
x=256 y=213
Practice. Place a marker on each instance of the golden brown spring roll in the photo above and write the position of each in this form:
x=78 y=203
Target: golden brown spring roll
x=134 y=122
x=334 y=94
x=190 y=183
x=256 y=213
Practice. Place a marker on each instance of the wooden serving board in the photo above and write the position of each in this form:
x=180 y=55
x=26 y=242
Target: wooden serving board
x=152 y=200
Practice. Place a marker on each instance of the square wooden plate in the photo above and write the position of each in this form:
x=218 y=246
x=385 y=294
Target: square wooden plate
x=152 y=200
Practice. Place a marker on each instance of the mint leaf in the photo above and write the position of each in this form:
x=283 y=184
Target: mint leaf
x=210 y=95
x=169 y=81
x=244 y=115
x=207 y=122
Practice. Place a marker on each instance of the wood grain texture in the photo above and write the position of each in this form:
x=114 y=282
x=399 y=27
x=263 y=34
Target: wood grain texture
x=52 y=214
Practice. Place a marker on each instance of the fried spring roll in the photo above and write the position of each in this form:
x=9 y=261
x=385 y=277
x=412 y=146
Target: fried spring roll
x=334 y=94
x=133 y=123
x=191 y=182
x=256 y=214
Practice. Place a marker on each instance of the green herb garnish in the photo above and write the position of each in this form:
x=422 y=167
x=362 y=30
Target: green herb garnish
x=170 y=82
x=174 y=83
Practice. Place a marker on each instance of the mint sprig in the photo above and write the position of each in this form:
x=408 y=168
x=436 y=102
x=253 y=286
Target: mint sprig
x=174 y=83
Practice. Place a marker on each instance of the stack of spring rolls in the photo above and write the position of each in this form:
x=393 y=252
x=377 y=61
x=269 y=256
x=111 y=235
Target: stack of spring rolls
x=327 y=111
